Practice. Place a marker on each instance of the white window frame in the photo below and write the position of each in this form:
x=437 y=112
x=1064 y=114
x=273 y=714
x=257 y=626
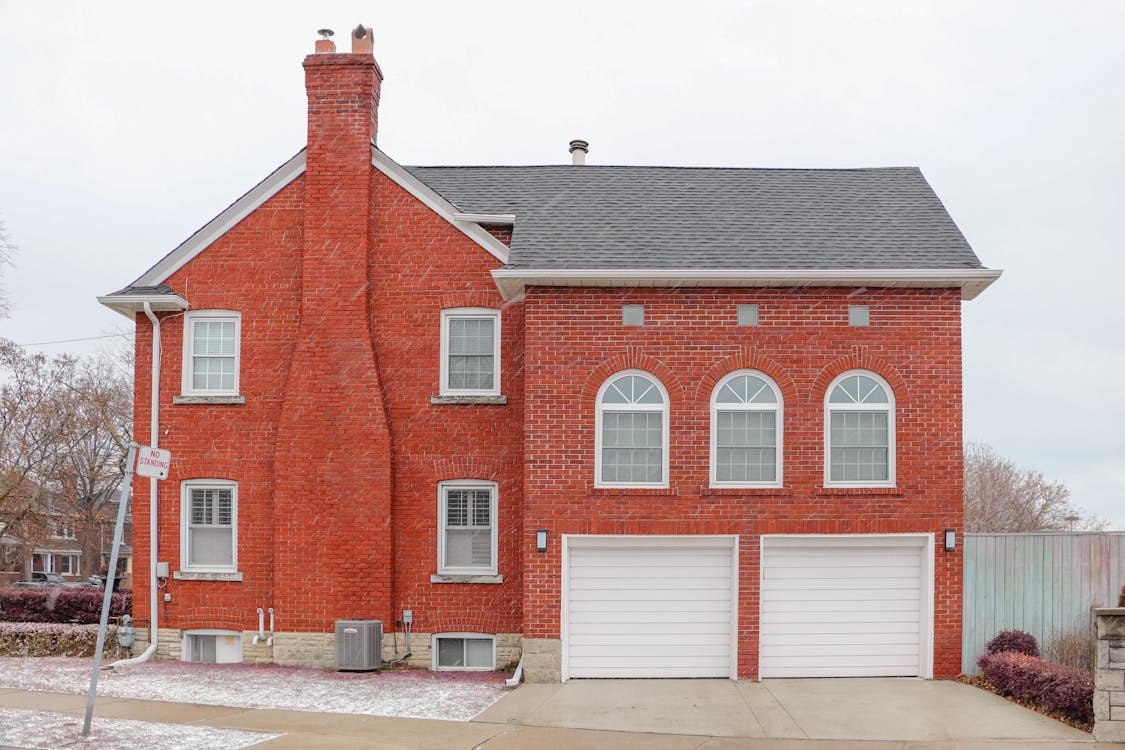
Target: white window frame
x=186 y=487
x=889 y=408
x=470 y=313
x=468 y=484
x=190 y=319
x=778 y=408
x=215 y=633
x=440 y=636
x=600 y=409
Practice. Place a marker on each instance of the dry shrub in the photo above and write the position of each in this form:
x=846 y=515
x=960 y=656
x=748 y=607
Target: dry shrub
x=1064 y=689
x=1074 y=648
x=53 y=639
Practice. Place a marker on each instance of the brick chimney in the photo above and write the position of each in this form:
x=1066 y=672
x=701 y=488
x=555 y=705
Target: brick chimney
x=332 y=414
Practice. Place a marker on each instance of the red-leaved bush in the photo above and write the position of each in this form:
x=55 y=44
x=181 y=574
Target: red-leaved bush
x=1064 y=689
x=1013 y=640
x=81 y=605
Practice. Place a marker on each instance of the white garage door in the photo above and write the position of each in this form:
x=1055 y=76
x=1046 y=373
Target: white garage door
x=849 y=606
x=649 y=607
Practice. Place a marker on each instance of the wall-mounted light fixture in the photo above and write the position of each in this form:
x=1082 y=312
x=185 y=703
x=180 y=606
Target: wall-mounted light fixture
x=541 y=540
x=950 y=540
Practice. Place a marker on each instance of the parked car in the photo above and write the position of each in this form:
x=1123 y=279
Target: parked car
x=40 y=580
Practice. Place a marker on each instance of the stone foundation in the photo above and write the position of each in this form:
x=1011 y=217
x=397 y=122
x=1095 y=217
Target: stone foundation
x=542 y=660
x=319 y=649
x=1109 y=680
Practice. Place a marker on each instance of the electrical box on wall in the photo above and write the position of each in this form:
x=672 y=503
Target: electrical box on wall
x=162 y=570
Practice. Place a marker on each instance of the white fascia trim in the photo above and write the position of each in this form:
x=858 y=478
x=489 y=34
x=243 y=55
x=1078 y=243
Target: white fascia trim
x=972 y=282
x=224 y=222
x=130 y=304
x=439 y=205
x=486 y=218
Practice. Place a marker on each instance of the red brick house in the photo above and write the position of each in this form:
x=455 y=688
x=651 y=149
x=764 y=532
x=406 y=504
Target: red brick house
x=622 y=421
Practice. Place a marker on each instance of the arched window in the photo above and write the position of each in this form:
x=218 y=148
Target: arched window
x=746 y=431
x=859 y=431
x=632 y=432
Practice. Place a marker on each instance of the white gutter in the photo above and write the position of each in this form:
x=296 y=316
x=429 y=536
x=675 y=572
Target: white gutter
x=971 y=281
x=154 y=441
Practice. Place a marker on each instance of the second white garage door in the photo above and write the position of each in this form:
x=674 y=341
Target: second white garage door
x=649 y=606
x=846 y=606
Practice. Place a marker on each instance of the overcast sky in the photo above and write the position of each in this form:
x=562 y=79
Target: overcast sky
x=126 y=126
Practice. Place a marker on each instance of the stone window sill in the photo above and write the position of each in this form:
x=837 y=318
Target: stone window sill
x=192 y=575
x=239 y=400
x=466 y=579
x=500 y=400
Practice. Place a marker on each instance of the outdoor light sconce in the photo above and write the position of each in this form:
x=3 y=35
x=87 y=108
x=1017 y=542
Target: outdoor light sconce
x=541 y=540
x=950 y=540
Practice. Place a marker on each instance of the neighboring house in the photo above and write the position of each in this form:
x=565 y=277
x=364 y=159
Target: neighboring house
x=626 y=421
x=74 y=540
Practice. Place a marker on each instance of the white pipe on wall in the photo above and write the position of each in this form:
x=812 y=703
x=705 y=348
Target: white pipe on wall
x=154 y=441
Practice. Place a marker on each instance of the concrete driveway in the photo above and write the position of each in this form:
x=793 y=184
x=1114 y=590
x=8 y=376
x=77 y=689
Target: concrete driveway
x=860 y=709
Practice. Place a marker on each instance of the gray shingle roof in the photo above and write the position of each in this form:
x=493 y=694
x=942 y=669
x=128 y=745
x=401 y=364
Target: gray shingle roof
x=595 y=217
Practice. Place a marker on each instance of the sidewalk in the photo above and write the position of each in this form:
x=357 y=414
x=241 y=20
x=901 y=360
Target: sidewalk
x=316 y=731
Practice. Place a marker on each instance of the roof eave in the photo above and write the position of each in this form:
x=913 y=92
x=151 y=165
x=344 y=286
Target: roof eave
x=131 y=304
x=512 y=282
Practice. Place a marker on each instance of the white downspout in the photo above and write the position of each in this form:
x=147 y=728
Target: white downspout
x=154 y=441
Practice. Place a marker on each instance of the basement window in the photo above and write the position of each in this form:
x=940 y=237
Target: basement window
x=212 y=646
x=464 y=652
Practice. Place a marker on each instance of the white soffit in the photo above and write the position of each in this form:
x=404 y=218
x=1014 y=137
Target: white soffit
x=971 y=282
x=130 y=304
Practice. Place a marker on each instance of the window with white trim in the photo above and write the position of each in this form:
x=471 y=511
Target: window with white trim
x=467 y=532
x=211 y=352
x=631 y=432
x=209 y=538
x=211 y=646
x=464 y=652
x=470 y=352
x=746 y=420
x=859 y=431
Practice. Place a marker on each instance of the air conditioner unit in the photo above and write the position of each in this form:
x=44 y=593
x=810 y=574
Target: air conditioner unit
x=359 y=645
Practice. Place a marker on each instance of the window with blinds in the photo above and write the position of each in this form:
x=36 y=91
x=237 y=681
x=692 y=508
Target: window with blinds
x=468 y=528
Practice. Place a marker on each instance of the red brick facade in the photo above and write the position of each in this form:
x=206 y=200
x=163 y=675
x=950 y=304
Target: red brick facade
x=340 y=279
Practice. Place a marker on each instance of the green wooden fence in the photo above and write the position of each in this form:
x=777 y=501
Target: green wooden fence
x=1041 y=583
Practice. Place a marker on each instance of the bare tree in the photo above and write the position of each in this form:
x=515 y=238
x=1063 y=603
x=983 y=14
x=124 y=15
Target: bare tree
x=1003 y=497
x=7 y=250
x=65 y=426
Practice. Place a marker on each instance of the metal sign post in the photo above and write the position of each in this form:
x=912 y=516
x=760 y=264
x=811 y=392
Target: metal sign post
x=111 y=574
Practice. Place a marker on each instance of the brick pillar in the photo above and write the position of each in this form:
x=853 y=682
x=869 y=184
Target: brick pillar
x=1109 y=680
x=333 y=477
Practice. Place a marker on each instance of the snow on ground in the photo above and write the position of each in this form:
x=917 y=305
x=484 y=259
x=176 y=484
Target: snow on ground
x=43 y=730
x=456 y=696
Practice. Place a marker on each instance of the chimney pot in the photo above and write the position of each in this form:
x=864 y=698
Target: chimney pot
x=361 y=40
x=325 y=45
x=578 y=150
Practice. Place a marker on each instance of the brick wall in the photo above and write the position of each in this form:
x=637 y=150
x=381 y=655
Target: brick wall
x=690 y=340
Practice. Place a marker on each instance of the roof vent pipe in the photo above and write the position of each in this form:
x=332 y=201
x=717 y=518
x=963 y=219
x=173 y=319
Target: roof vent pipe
x=578 y=151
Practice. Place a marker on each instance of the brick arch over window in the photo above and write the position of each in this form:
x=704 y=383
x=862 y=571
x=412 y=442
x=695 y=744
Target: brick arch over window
x=632 y=360
x=222 y=621
x=469 y=298
x=467 y=622
x=470 y=467
x=746 y=360
x=862 y=361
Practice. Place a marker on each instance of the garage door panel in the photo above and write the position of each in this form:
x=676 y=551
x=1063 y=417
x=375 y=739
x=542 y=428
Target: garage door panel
x=635 y=610
x=654 y=583
x=830 y=609
x=699 y=617
x=839 y=606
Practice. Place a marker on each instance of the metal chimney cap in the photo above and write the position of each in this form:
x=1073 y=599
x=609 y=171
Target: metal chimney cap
x=579 y=145
x=325 y=32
